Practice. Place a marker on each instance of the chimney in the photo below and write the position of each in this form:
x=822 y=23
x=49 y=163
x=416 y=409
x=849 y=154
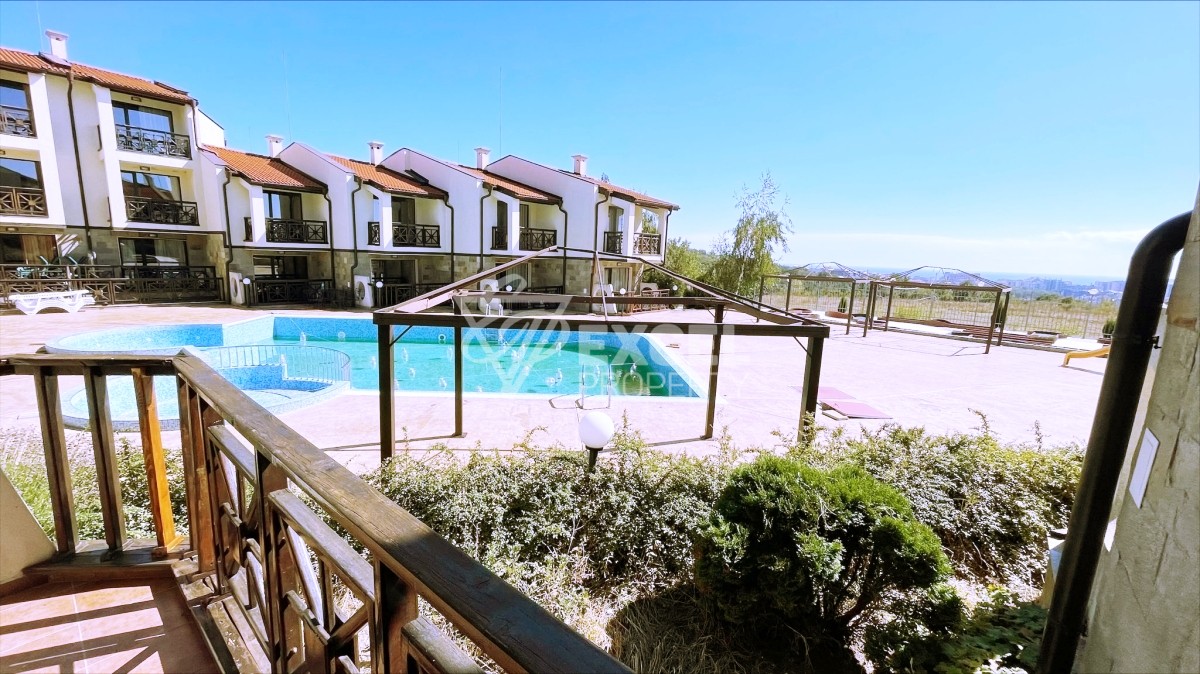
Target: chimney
x=481 y=157
x=274 y=144
x=376 y=152
x=58 y=43
x=580 y=163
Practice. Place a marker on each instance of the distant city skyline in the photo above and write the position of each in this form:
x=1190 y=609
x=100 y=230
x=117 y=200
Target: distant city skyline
x=1043 y=138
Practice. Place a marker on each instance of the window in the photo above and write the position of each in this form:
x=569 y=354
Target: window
x=153 y=252
x=128 y=114
x=281 y=266
x=517 y=277
x=404 y=210
x=27 y=249
x=14 y=107
x=376 y=209
x=20 y=173
x=524 y=213
x=150 y=186
x=615 y=214
x=402 y=271
x=283 y=205
x=502 y=216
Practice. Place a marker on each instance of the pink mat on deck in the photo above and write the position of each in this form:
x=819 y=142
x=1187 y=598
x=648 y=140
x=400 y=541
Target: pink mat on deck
x=856 y=410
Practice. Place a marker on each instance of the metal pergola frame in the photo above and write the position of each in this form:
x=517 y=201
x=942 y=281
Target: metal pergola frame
x=417 y=312
x=853 y=281
x=996 y=322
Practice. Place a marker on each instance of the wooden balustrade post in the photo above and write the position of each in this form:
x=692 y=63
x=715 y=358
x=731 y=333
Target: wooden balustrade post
x=284 y=629
x=104 y=450
x=58 y=469
x=155 y=462
x=200 y=517
x=395 y=607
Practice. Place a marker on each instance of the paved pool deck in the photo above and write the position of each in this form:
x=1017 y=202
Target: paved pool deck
x=918 y=380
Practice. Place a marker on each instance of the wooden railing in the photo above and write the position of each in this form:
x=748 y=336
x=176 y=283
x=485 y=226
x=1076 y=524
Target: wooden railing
x=258 y=499
x=22 y=201
x=16 y=121
x=283 y=230
x=372 y=233
x=420 y=236
x=112 y=284
x=613 y=241
x=141 y=209
x=533 y=238
x=647 y=244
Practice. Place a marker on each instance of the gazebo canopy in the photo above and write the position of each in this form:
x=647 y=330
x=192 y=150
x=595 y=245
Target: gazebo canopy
x=943 y=276
x=828 y=269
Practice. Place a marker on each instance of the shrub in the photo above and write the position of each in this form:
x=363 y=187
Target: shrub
x=842 y=305
x=816 y=550
x=1110 y=326
x=991 y=504
x=630 y=521
x=1002 y=634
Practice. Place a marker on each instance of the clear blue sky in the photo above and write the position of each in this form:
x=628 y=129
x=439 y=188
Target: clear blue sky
x=1024 y=137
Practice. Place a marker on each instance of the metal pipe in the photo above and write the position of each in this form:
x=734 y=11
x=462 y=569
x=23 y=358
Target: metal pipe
x=481 y=230
x=566 y=223
x=596 y=237
x=353 y=227
x=1132 y=342
x=87 y=223
x=850 y=306
x=812 y=380
x=332 y=251
x=711 y=414
x=228 y=226
x=387 y=424
x=446 y=200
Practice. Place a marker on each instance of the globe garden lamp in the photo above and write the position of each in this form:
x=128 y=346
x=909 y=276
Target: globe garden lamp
x=595 y=430
x=246 y=280
x=379 y=284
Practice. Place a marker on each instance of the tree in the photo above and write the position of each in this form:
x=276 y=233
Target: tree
x=682 y=259
x=747 y=253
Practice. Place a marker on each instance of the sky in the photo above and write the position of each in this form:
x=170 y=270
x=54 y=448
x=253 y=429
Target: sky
x=1032 y=138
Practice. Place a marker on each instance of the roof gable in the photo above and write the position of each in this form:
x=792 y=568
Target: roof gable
x=265 y=171
x=24 y=61
x=389 y=180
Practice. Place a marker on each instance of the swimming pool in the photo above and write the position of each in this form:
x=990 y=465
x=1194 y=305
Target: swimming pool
x=545 y=362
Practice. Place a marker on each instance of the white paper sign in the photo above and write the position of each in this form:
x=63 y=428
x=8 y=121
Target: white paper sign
x=1147 y=450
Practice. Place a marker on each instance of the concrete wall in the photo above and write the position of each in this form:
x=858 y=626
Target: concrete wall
x=25 y=543
x=1144 y=614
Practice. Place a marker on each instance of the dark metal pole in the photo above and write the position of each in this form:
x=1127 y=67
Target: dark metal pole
x=1003 y=318
x=995 y=316
x=850 y=306
x=812 y=379
x=787 y=299
x=715 y=367
x=387 y=422
x=870 y=309
x=1137 y=321
x=458 y=380
x=887 y=319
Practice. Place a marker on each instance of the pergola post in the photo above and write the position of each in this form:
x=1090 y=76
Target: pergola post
x=387 y=396
x=887 y=319
x=850 y=306
x=458 y=382
x=870 y=308
x=812 y=379
x=1002 y=319
x=992 y=324
x=762 y=287
x=787 y=299
x=714 y=369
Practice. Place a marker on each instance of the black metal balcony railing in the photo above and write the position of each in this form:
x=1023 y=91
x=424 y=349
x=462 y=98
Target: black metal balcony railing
x=141 y=209
x=372 y=233
x=613 y=241
x=16 y=121
x=421 y=236
x=499 y=238
x=282 y=230
x=151 y=141
x=22 y=201
x=532 y=238
x=647 y=244
x=265 y=290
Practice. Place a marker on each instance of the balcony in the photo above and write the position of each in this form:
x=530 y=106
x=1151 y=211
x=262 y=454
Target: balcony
x=22 y=201
x=157 y=211
x=499 y=238
x=16 y=121
x=151 y=141
x=372 y=233
x=532 y=238
x=261 y=558
x=613 y=241
x=420 y=236
x=283 y=230
x=647 y=244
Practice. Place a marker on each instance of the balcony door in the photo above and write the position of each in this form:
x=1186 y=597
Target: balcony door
x=27 y=248
x=142 y=117
x=16 y=117
x=281 y=266
x=404 y=211
x=154 y=186
x=283 y=205
x=153 y=252
x=21 y=191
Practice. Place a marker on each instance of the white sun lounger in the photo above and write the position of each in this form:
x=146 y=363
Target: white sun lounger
x=69 y=300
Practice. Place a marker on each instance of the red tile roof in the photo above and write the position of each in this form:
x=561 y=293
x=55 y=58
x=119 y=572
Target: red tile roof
x=636 y=197
x=519 y=190
x=388 y=180
x=262 y=170
x=16 y=59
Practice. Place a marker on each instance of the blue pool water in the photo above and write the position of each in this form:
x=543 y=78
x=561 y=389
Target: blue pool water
x=494 y=360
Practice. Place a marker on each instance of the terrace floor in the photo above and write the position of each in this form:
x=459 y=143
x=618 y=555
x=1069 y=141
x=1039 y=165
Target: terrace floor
x=918 y=380
x=101 y=626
